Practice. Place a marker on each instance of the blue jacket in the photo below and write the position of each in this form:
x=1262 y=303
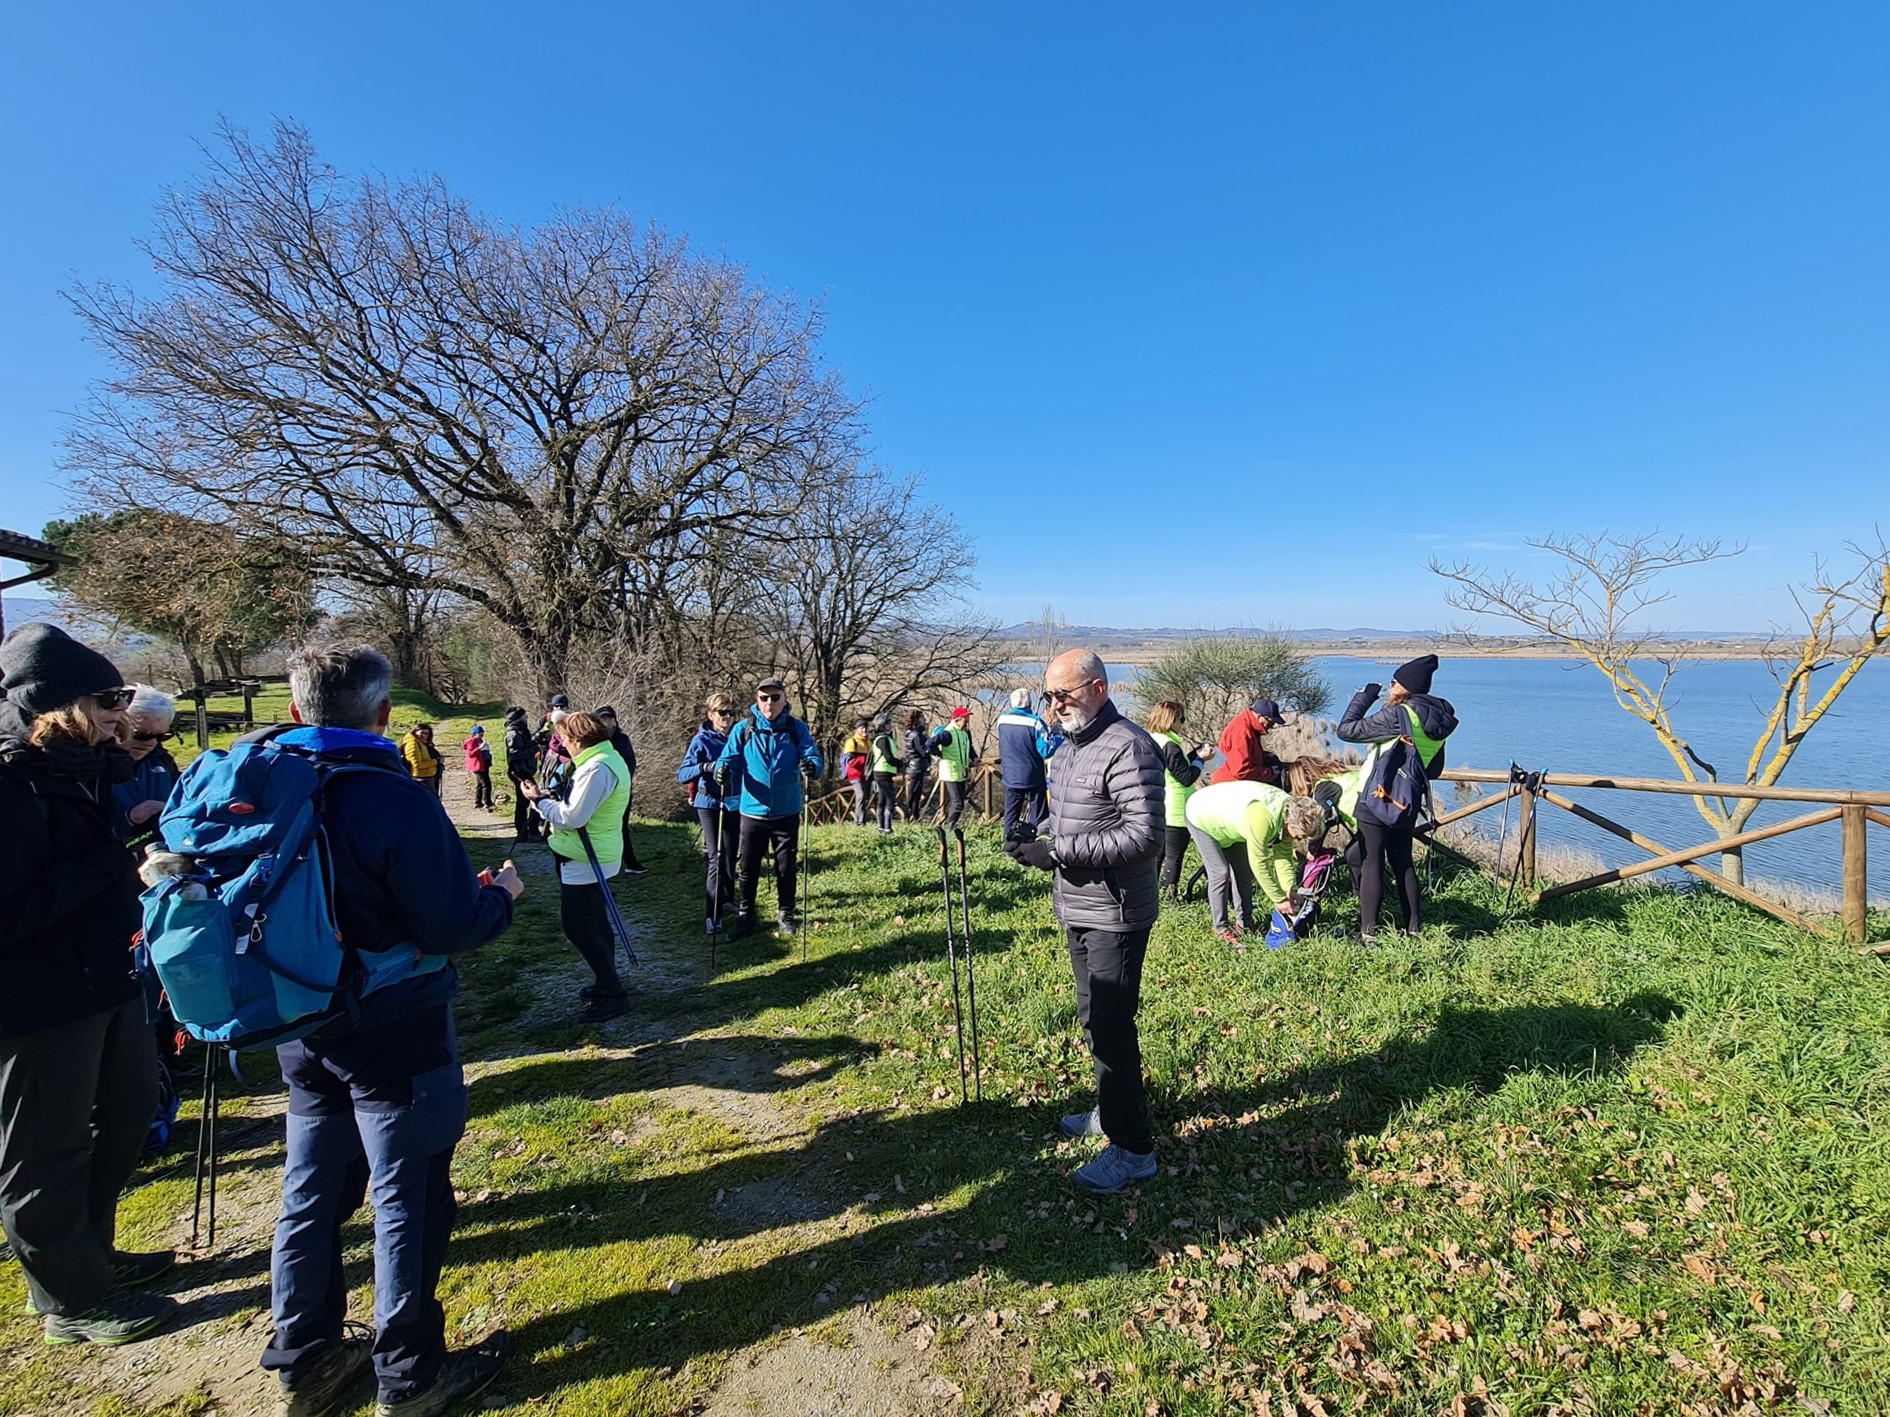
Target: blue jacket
x=151 y=781
x=765 y=760
x=1024 y=744
x=401 y=874
x=698 y=765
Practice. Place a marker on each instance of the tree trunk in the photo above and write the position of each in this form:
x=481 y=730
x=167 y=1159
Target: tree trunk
x=1732 y=865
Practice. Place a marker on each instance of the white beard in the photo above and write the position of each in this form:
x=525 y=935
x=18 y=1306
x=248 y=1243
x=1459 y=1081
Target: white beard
x=1074 y=720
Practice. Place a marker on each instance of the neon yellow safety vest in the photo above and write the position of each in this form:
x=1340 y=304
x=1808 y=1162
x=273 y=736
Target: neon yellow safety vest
x=1427 y=746
x=1176 y=791
x=1220 y=809
x=954 y=756
x=882 y=755
x=605 y=828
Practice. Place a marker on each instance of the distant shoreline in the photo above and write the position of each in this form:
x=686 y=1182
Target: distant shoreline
x=1396 y=650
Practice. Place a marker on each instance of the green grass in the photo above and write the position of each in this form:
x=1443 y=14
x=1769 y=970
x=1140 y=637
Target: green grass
x=1626 y=1156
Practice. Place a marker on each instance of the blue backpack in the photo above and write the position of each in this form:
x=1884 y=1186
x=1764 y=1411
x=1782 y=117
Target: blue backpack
x=245 y=942
x=1396 y=791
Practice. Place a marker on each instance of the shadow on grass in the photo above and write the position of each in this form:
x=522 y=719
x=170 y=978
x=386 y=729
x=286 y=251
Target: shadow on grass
x=1281 y=1143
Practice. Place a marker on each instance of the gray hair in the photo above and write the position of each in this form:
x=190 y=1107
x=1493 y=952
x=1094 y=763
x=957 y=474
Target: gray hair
x=1020 y=698
x=340 y=685
x=150 y=705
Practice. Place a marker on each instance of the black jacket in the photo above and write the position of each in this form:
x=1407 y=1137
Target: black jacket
x=1434 y=715
x=521 y=753
x=914 y=756
x=68 y=895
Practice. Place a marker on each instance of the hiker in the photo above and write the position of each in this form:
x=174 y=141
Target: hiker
x=620 y=740
x=1181 y=770
x=766 y=753
x=478 y=755
x=1412 y=715
x=136 y=804
x=1244 y=757
x=554 y=754
x=1104 y=845
x=1025 y=745
x=913 y=755
x=1248 y=833
x=78 y=1071
x=885 y=767
x=951 y=745
x=521 y=764
x=593 y=805
x=854 y=752
x=422 y=758
x=715 y=813
x=377 y=1100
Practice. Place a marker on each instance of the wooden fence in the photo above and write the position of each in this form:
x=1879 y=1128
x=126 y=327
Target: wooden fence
x=984 y=798
x=1855 y=810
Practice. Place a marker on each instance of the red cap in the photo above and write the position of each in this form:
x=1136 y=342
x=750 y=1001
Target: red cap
x=961 y=713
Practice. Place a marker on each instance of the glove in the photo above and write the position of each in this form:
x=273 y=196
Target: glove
x=1374 y=690
x=1039 y=853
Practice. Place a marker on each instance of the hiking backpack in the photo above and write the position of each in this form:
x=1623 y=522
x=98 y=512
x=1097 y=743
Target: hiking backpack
x=1395 y=791
x=244 y=939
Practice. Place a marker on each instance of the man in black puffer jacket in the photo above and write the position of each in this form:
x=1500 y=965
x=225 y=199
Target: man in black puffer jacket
x=521 y=764
x=1105 y=846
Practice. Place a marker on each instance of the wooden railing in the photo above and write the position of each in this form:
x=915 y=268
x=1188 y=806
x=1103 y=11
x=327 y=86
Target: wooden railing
x=984 y=797
x=1854 y=809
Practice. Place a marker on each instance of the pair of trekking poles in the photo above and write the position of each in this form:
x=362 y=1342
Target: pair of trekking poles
x=958 y=931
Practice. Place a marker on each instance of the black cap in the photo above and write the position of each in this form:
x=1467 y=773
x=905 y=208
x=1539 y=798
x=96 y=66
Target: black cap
x=773 y=682
x=560 y=701
x=43 y=668
x=1415 y=674
x=603 y=711
x=1267 y=710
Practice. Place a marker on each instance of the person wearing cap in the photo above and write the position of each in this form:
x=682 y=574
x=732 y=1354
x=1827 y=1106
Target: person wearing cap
x=554 y=754
x=1244 y=757
x=768 y=750
x=1411 y=713
x=521 y=765
x=1025 y=746
x=854 y=752
x=78 y=1065
x=478 y=755
x=620 y=740
x=951 y=745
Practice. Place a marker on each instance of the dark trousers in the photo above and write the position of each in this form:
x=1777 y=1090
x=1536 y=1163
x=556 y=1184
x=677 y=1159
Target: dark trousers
x=630 y=862
x=1386 y=847
x=432 y=783
x=721 y=833
x=1108 y=969
x=915 y=795
x=1023 y=806
x=885 y=798
x=954 y=802
x=782 y=836
x=585 y=916
x=524 y=820
x=1174 y=847
x=75 y=1103
x=347 y=1141
x=482 y=789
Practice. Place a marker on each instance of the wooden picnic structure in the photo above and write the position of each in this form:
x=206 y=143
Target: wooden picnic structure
x=208 y=719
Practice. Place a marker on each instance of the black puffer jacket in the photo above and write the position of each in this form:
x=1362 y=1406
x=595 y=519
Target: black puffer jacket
x=68 y=893
x=1107 y=815
x=914 y=756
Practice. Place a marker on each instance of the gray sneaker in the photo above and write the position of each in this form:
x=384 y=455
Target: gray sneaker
x=1115 y=1168
x=1082 y=1124
x=318 y=1388
x=466 y=1373
x=115 y=1319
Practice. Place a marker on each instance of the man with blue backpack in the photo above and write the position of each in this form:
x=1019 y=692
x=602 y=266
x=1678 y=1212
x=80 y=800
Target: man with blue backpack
x=377 y=1100
x=763 y=759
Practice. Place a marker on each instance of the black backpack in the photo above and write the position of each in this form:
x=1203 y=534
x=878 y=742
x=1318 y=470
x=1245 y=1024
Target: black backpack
x=1396 y=792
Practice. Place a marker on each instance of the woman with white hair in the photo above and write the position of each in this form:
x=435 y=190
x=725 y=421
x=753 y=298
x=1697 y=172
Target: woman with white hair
x=136 y=804
x=1250 y=833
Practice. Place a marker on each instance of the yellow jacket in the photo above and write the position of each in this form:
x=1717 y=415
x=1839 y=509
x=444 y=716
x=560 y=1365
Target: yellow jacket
x=423 y=760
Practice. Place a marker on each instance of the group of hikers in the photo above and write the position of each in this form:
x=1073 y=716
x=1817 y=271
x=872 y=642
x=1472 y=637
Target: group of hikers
x=376 y=1094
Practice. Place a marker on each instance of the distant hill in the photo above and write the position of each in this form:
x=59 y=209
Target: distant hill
x=1323 y=635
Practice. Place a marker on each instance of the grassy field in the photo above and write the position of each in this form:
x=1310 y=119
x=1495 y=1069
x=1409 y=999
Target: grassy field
x=1624 y=1157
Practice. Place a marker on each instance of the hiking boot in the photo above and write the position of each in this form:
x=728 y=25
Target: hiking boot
x=115 y=1319
x=464 y=1374
x=712 y=926
x=604 y=1006
x=744 y=925
x=317 y=1389
x=601 y=991
x=129 y=1271
x=1114 y=1168
x=1082 y=1124
x=634 y=868
x=784 y=922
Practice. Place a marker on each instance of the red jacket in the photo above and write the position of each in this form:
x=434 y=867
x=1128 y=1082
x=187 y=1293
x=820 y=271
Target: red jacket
x=1245 y=757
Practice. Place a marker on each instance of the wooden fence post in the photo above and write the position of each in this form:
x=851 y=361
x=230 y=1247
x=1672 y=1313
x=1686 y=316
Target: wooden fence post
x=1856 y=875
x=1525 y=840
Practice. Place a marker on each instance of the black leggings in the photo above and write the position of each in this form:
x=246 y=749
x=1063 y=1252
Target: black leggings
x=885 y=798
x=585 y=916
x=915 y=795
x=1174 y=847
x=1386 y=846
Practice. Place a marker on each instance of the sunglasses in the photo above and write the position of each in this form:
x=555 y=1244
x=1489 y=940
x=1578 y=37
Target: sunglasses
x=149 y=737
x=112 y=698
x=769 y=698
x=1064 y=696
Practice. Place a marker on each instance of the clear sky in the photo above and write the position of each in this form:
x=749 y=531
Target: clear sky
x=1197 y=315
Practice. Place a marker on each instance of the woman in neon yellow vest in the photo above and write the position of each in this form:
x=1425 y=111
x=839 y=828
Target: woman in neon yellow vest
x=951 y=745
x=1248 y=833
x=1181 y=770
x=598 y=797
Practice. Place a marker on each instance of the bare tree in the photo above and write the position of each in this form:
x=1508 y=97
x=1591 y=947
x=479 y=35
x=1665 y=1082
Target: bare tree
x=1595 y=604
x=551 y=425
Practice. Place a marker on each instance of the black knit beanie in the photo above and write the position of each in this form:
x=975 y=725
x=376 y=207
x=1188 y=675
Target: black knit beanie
x=1415 y=674
x=43 y=668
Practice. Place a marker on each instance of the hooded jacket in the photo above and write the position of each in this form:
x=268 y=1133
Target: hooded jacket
x=1424 y=718
x=1243 y=748
x=521 y=753
x=1024 y=746
x=1106 y=821
x=69 y=893
x=767 y=756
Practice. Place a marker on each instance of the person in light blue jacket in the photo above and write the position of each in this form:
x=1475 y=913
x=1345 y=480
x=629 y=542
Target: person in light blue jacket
x=761 y=766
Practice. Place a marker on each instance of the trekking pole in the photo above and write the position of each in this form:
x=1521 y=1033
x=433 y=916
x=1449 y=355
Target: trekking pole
x=971 y=974
x=951 y=953
x=617 y=927
x=807 y=880
x=207 y=1148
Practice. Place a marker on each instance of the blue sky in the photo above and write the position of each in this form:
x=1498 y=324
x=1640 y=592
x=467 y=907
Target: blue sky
x=1217 y=315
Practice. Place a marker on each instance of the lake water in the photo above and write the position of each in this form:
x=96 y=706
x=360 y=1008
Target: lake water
x=1560 y=716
